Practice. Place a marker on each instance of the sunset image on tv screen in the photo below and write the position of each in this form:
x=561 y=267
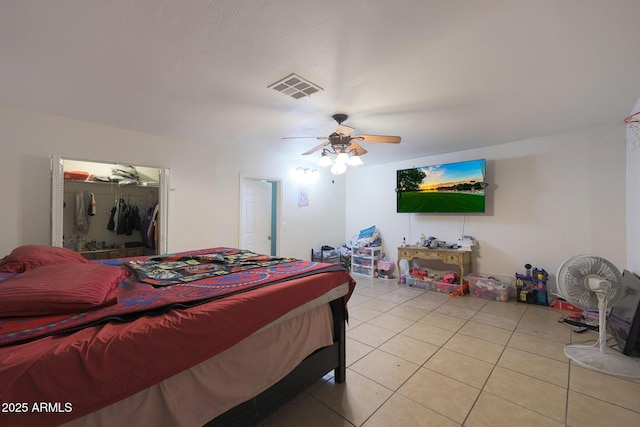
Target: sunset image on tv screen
x=445 y=188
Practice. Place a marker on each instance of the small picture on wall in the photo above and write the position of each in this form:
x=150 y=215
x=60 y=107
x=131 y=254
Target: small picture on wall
x=303 y=196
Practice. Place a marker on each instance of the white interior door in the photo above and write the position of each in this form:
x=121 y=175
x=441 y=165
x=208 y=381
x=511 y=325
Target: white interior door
x=256 y=216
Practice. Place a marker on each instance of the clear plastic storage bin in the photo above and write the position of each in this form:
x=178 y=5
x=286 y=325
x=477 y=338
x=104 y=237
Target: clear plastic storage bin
x=491 y=286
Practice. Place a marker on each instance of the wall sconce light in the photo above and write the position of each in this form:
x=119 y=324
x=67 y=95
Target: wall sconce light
x=305 y=174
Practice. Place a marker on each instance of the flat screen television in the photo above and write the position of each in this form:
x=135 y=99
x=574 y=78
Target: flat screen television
x=624 y=317
x=445 y=188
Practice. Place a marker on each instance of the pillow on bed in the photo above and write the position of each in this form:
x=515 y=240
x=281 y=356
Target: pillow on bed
x=26 y=257
x=57 y=289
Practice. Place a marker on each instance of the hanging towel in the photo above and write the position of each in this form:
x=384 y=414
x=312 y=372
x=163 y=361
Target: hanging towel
x=81 y=219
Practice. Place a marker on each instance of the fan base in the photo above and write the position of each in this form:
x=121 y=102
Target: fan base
x=607 y=362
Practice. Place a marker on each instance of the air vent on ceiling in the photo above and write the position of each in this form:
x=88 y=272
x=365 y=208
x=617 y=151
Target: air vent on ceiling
x=295 y=86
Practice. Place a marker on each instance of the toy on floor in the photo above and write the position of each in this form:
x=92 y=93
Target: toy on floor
x=439 y=277
x=385 y=267
x=532 y=286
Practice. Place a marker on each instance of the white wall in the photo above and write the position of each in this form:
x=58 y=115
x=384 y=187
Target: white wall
x=300 y=227
x=548 y=199
x=204 y=184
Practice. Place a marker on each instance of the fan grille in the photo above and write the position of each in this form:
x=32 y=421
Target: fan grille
x=573 y=276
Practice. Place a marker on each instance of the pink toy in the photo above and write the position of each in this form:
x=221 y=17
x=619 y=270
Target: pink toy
x=418 y=274
x=449 y=278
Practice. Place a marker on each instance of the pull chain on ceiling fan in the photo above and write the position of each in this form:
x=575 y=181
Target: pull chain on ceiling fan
x=341 y=148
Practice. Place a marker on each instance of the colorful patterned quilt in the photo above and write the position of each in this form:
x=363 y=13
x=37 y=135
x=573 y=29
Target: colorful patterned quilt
x=137 y=298
x=172 y=269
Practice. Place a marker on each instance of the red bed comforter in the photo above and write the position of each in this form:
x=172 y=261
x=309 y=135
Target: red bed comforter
x=61 y=377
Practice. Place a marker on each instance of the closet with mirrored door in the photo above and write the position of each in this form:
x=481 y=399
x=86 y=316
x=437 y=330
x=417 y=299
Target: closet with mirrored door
x=109 y=210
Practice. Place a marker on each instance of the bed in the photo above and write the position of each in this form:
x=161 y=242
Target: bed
x=210 y=337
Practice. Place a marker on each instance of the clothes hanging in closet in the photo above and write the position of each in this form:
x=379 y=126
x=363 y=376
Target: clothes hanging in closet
x=124 y=218
x=122 y=213
x=111 y=225
x=91 y=211
x=132 y=219
x=149 y=226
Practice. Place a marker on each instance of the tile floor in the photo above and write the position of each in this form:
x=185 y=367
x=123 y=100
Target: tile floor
x=423 y=358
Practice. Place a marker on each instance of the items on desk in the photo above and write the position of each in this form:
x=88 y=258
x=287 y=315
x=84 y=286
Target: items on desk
x=466 y=242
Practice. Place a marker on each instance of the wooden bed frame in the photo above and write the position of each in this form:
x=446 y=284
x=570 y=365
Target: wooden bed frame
x=310 y=370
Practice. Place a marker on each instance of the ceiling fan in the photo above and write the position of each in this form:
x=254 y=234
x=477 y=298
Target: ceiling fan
x=344 y=146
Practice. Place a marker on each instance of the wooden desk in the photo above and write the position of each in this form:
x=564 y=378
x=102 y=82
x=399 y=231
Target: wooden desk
x=461 y=258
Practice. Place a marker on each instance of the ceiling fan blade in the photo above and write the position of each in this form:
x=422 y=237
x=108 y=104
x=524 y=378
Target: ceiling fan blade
x=303 y=137
x=357 y=148
x=378 y=138
x=345 y=130
x=316 y=148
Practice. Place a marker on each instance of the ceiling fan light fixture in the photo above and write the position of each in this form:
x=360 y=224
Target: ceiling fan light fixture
x=342 y=158
x=325 y=160
x=355 y=160
x=338 y=168
x=340 y=148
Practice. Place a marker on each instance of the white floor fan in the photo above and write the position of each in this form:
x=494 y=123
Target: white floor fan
x=591 y=282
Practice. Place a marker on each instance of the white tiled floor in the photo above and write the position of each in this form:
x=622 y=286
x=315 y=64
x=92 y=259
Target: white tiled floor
x=422 y=358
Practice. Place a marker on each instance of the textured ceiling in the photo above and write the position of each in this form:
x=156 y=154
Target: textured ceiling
x=446 y=75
